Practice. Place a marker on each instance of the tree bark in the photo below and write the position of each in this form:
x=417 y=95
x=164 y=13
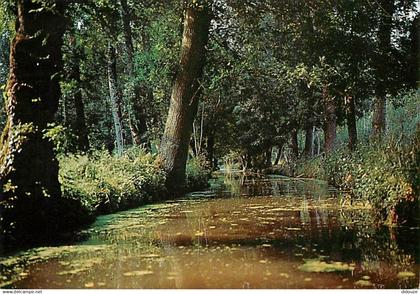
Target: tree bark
x=379 y=115
x=28 y=167
x=383 y=67
x=351 y=122
x=115 y=99
x=414 y=58
x=268 y=162
x=210 y=150
x=330 y=123
x=185 y=96
x=294 y=143
x=136 y=94
x=309 y=135
x=79 y=125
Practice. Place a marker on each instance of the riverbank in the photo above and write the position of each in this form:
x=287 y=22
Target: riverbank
x=104 y=183
x=384 y=174
x=101 y=183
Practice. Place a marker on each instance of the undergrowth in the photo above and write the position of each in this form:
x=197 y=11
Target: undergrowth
x=106 y=183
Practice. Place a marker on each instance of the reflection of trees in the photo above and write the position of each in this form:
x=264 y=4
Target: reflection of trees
x=379 y=245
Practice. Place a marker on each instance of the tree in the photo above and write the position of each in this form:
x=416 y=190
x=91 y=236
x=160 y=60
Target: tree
x=386 y=11
x=185 y=94
x=115 y=98
x=79 y=124
x=28 y=167
x=135 y=93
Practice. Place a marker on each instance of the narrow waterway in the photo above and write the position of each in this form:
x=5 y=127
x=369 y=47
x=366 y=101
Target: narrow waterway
x=245 y=232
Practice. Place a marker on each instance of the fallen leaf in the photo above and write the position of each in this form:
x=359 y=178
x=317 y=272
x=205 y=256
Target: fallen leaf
x=137 y=273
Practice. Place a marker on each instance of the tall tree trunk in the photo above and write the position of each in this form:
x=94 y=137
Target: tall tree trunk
x=330 y=123
x=210 y=150
x=115 y=99
x=414 y=58
x=135 y=93
x=382 y=66
x=79 y=125
x=351 y=121
x=309 y=135
x=28 y=167
x=268 y=162
x=294 y=142
x=185 y=96
x=379 y=115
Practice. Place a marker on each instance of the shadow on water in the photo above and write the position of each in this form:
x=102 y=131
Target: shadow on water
x=247 y=231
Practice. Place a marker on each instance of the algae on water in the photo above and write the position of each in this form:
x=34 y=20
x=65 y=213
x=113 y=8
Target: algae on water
x=318 y=266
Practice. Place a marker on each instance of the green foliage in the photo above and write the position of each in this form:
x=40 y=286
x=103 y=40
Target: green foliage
x=62 y=138
x=106 y=183
x=197 y=173
x=384 y=173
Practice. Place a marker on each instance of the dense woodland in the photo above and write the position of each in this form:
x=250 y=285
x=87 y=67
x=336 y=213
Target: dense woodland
x=110 y=104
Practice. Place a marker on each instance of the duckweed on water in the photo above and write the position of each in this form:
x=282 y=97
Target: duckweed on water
x=405 y=275
x=317 y=266
x=363 y=283
x=137 y=273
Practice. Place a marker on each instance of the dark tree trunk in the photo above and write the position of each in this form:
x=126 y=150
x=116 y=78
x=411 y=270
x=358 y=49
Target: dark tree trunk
x=137 y=95
x=210 y=150
x=294 y=142
x=414 y=58
x=28 y=167
x=379 y=115
x=383 y=67
x=309 y=135
x=268 y=162
x=115 y=99
x=351 y=121
x=79 y=125
x=330 y=124
x=185 y=96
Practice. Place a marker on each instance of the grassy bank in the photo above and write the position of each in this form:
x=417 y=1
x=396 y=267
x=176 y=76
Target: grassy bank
x=384 y=172
x=386 y=175
x=104 y=183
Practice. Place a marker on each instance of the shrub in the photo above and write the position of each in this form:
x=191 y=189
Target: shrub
x=198 y=173
x=384 y=174
x=108 y=183
x=104 y=183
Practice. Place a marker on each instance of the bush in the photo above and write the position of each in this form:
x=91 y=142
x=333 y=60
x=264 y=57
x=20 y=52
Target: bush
x=104 y=183
x=384 y=174
x=107 y=183
x=198 y=173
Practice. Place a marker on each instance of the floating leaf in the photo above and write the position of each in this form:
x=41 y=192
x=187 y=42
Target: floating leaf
x=137 y=273
x=317 y=266
x=363 y=283
x=293 y=229
x=405 y=275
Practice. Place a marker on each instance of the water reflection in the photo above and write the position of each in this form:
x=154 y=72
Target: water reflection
x=246 y=232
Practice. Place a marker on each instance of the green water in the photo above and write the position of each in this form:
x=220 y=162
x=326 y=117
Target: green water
x=245 y=232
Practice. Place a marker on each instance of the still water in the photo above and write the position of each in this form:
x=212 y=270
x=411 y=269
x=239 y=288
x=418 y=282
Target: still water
x=244 y=232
